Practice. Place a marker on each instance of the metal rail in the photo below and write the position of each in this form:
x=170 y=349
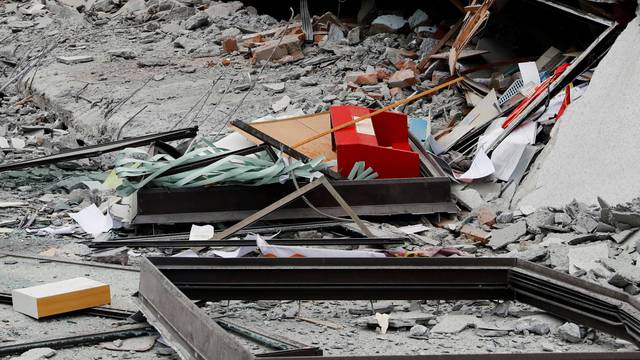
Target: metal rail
x=208 y=243
x=95 y=150
x=167 y=284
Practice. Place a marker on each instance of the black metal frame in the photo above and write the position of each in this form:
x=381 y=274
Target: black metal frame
x=168 y=284
x=418 y=196
x=185 y=243
x=95 y=150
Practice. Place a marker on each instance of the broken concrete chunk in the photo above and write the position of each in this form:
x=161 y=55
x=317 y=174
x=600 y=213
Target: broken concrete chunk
x=503 y=237
x=354 y=36
x=586 y=257
x=626 y=217
x=474 y=233
x=387 y=24
x=123 y=53
x=281 y=104
x=486 y=216
x=570 y=332
x=222 y=9
x=36 y=354
x=197 y=21
x=275 y=87
x=403 y=78
x=453 y=324
x=112 y=256
x=538 y=219
x=152 y=62
x=418 y=330
x=286 y=50
x=624 y=272
x=139 y=344
x=77 y=59
x=533 y=326
x=418 y=18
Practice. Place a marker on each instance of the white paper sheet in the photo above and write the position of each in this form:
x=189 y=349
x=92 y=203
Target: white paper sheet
x=92 y=220
x=282 y=251
x=204 y=232
x=365 y=127
x=187 y=253
x=239 y=252
x=506 y=156
x=481 y=166
x=529 y=73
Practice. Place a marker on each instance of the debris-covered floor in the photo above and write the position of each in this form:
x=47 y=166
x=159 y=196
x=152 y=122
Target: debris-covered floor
x=133 y=129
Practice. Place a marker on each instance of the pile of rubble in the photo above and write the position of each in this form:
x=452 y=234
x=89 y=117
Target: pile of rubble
x=209 y=136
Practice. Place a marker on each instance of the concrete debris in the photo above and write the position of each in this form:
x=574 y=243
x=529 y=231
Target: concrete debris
x=500 y=238
x=586 y=258
x=197 y=21
x=570 y=332
x=281 y=104
x=453 y=324
x=123 y=53
x=418 y=18
x=402 y=79
x=138 y=344
x=112 y=256
x=77 y=59
x=532 y=326
x=36 y=354
x=388 y=24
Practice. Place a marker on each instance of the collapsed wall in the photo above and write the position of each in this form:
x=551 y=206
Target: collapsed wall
x=594 y=148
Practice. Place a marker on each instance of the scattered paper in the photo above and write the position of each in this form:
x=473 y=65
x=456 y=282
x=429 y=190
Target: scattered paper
x=204 y=232
x=112 y=181
x=239 y=252
x=4 y=144
x=186 y=253
x=481 y=166
x=529 y=73
x=281 y=251
x=92 y=220
x=383 y=322
x=233 y=141
x=507 y=154
x=365 y=127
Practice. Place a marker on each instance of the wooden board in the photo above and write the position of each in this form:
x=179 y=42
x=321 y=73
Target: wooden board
x=60 y=297
x=292 y=130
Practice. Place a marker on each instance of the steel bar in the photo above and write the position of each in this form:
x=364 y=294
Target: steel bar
x=266 y=211
x=77 y=340
x=417 y=196
x=343 y=204
x=415 y=278
x=206 y=243
x=95 y=150
x=269 y=340
x=70 y=261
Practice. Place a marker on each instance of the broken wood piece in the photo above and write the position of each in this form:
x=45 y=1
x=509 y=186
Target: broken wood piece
x=475 y=233
x=60 y=297
x=289 y=198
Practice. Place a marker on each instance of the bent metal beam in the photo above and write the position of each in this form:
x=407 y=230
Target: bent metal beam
x=167 y=286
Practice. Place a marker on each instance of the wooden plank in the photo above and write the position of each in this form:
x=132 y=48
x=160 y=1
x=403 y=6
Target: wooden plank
x=60 y=297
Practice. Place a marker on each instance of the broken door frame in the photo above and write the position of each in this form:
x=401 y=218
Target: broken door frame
x=168 y=284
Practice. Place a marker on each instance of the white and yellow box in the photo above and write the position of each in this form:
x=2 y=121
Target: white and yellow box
x=60 y=297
